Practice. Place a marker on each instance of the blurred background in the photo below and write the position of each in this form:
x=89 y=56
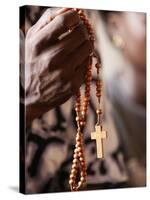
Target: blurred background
x=121 y=46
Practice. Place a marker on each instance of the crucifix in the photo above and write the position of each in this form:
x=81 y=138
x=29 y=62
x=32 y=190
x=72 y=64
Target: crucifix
x=78 y=180
x=99 y=135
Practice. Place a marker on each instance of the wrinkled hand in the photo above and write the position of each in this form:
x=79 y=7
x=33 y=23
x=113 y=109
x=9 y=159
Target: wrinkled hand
x=55 y=60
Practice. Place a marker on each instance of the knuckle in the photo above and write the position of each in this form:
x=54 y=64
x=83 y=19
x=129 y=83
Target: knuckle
x=68 y=19
x=48 y=14
x=61 y=20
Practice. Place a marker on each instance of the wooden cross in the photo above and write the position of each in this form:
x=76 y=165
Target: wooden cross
x=99 y=135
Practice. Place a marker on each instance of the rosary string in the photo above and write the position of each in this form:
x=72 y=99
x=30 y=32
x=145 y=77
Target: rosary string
x=78 y=164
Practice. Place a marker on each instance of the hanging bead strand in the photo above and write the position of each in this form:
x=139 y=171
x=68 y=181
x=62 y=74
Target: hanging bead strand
x=79 y=164
x=98 y=93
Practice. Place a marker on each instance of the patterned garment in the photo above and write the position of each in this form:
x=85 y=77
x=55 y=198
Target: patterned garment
x=50 y=145
x=50 y=142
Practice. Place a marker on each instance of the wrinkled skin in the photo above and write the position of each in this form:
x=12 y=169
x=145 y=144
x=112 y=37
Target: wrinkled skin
x=55 y=67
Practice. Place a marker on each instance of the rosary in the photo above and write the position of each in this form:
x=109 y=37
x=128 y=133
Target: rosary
x=78 y=171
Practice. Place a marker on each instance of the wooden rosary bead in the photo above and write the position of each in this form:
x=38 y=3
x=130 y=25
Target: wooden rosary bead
x=77 y=104
x=74 y=166
x=83 y=173
x=82 y=164
x=75 y=161
x=75 y=151
x=74 y=171
x=83 y=114
x=77 y=109
x=78 y=143
x=85 y=108
x=72 y=176
x=97 y=65
x=79 y=164
x=78 y=139
x=98 y=95
x=77 y=119
x=79 y=149
x=85 y=103
x=98 y=83
x=88 y=85
x=87 y=90
x=80 y=154
x=71 y=181
x=82 y=179
x=82 y=123
x=75 y=156
x=89 y=68
x=78 y=98
x=89 y=78
x=81 y=159
x=99 y=111
x=86 y=99
x=89 y=72
x=80 y=12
